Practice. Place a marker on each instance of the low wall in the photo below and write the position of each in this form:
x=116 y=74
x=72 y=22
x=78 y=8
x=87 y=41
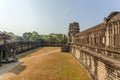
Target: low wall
x=99 y=66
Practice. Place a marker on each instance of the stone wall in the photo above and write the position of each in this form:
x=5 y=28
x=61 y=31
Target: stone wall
x=100 y=67
x=98 y=48
x=9 y=51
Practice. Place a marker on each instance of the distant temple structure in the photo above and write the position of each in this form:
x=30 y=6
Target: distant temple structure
x=98 y=48
x=73 y=29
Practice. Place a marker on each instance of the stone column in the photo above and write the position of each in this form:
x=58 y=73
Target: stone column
x=101 y=71
x=92 y=65
x=107 y=36
x=77 y=55
x=96 y=68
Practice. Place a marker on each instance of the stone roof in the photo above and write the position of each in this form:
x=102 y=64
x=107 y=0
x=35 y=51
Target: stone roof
x=113 y=16
x=94 y=28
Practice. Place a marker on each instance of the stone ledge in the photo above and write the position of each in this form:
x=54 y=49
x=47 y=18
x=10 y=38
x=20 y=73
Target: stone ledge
x=106 y=60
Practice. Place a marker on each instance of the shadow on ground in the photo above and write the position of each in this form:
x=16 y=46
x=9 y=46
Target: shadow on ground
x=18 y=69
x=21 y=67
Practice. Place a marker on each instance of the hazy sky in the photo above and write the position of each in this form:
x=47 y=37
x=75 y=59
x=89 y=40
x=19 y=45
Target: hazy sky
x=53 y=16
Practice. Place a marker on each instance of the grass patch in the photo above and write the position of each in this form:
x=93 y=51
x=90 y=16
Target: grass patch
x=66 y=67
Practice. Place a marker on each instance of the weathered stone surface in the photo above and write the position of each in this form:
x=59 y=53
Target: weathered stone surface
x=98 y=48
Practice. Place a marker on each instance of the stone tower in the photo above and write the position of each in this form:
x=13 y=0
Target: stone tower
x=73 y=29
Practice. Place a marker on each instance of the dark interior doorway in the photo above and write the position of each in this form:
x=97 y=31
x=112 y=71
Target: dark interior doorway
x=4 y=55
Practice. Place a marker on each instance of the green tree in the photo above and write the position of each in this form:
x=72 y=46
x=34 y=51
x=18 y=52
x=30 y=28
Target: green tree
x=59 y=37
x=27 y=36
x=12 y=35
x=45 y=37
x=19 y=38
x=55 y=37
x=64 y=38
x=35 y=36
x=52 y=37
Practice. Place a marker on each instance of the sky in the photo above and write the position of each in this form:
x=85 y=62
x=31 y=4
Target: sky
x=53 y=16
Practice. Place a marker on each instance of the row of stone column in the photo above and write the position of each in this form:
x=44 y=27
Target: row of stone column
x=92 y=38
x=24 y=46
x=114 y=33
x=108 y=36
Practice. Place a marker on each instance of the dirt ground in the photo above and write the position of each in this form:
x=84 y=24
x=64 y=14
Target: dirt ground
x=46 y=64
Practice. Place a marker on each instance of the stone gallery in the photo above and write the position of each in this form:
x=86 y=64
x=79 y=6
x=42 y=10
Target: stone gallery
x=98 y=48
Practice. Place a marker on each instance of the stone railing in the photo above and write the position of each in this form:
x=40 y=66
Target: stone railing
x=101 y=63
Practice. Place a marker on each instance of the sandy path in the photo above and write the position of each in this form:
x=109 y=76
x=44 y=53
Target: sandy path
x=4 y=70
x=47 y=63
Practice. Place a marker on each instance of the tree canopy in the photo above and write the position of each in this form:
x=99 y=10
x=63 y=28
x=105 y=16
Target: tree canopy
x=55 y=37
x=34 y=36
